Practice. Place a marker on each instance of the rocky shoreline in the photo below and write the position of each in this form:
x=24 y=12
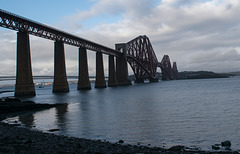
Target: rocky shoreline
x=15 y=139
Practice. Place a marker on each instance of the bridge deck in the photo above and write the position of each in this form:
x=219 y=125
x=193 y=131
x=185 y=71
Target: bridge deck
x=18 y=23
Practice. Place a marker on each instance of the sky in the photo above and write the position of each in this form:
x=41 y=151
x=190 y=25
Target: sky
x=197 y=34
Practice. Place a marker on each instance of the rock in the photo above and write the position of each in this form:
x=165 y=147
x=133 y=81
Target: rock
x=16 y=124
x=12 y=99
x=53 y=130
x=192 y=148
x=28 y=102
x=79 y=145
x=176 y=148
x=216 y=146
x=27 y=141
x=226 y=144
x=120 y=141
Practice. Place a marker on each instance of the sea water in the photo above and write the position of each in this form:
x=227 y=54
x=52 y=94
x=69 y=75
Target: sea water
x=197 y=113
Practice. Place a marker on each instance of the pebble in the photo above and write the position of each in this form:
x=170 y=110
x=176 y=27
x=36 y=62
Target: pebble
x=177 y=148
x=120 y=141
x=53 y=130
x=30 y=141
x=216 y=147
x=23 y=140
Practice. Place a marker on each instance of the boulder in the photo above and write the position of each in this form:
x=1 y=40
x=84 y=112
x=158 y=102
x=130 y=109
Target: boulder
x=120 y=141
x=216 y=146
x=177 y=148
x=54 y=130
x=226 y=144
x=28 y=102
x=12 y=99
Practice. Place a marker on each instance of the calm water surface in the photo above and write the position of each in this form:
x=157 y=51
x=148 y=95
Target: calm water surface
x=187 y=112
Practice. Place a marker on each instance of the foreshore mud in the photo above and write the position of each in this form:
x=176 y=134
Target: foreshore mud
x=14 y=139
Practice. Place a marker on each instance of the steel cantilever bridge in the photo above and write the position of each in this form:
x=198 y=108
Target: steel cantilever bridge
x=138 y=53
x=144 y=62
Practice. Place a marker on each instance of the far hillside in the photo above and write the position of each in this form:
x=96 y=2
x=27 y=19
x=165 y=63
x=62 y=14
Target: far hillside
x=203 y=75
x=197 y=75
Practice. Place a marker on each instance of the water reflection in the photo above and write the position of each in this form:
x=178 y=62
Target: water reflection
x=61 y=116
x=27 y=120
x=85 y=116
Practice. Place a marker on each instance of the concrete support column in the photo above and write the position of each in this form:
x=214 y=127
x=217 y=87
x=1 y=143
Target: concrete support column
x=83 y=76
x=100 y=79
x=60 y=83
x=121 y=66
x=24 y=80
x=112 y=80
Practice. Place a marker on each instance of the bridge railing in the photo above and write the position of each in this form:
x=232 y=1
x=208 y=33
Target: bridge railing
x=18 y=23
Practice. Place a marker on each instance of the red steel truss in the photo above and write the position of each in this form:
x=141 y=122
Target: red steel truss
x=139 y=51
x=142 y=58
x=165 y=65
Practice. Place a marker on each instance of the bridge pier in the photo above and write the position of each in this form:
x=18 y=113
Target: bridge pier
x=112 y=79
x=60 y=83
x=121 y=66
x=83 y=76
x=100 y=79
x=24 y=79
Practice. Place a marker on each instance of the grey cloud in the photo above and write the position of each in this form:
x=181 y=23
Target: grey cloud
x=198 y=35
x=182 y=32
x=217 y=55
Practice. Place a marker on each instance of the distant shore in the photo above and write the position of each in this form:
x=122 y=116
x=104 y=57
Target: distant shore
x=15 y=139
x=181 y=75
x=185 y=75
x=203 y=75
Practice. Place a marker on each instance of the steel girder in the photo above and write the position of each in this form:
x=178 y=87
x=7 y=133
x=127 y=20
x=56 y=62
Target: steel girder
x=142 y=59
x=18 y=23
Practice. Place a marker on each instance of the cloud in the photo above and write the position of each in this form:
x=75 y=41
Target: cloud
x=198 y=35
x=181 y=29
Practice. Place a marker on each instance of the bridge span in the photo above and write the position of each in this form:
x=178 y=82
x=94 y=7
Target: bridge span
x=138 y=53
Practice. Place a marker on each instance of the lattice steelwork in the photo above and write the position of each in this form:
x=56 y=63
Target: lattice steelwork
x=139 y=51
x=142 y=58
x=166 y=68
x=18 y=23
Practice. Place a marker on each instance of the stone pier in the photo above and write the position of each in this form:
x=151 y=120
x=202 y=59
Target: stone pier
x=112 y=79
x=100 y=79
x=60 y=83
x=121 y=66
x=24 y=79
x=83 y=76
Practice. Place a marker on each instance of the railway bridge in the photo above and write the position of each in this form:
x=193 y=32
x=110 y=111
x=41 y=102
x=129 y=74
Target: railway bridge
x=138 y=53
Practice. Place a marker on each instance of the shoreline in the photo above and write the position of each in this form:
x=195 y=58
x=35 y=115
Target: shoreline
x=15 y=139
x=22 y=140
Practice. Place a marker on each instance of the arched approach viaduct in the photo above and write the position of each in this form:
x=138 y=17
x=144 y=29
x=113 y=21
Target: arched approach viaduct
x=138 y=53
